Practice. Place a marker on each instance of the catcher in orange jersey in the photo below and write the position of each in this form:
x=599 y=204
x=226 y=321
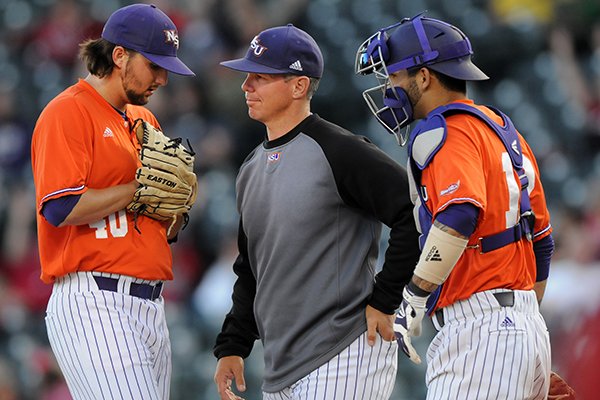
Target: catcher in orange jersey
x=479 y=204
x=103 y=240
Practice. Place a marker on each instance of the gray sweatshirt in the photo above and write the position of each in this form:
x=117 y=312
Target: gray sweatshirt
x=311 y=206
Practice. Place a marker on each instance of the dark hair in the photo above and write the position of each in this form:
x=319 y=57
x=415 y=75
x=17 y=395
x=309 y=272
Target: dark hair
x=448 y=82
x=97 y=55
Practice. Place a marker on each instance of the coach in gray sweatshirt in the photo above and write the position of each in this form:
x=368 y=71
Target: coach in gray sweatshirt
x=312 y=199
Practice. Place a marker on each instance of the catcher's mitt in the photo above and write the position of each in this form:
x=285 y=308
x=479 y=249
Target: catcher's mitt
x=167 y=183
x=559 y=389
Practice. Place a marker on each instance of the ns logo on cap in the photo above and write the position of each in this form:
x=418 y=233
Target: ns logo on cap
x=171 y=36
x=257 y=48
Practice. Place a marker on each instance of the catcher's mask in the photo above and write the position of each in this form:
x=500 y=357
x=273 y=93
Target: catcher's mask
x=411 y=43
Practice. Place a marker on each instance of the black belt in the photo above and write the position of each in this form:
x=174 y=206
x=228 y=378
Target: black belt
x=141 y=290
x=505 y=299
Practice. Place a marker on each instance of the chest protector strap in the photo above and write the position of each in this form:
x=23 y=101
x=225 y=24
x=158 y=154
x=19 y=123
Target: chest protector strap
x=429 y=136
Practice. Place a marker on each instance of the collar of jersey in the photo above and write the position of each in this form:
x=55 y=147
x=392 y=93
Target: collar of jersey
x=271 y=144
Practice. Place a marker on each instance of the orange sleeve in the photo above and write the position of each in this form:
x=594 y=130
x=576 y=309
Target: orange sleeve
x=61 y=161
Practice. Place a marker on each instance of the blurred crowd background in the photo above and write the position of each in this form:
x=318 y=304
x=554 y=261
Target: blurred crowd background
x=544 y=60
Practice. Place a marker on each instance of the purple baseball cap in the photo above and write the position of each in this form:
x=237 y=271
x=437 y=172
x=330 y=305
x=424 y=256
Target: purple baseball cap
x=149 y=31
x=422 y=41
x=281 y=50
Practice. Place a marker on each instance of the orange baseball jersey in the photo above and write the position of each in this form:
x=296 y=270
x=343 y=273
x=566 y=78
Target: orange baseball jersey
x=473 y=166
x=80 y=141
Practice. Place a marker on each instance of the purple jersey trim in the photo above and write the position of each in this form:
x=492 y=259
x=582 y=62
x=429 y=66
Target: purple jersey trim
x=56 y=210
x=543 y=250
x=461 y=217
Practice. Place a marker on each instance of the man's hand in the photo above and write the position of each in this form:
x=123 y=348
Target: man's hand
x=408 y=322
x=228 y=369
x=378 y=322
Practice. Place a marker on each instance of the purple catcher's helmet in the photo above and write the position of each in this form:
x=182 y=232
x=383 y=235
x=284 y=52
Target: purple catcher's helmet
x=411 y=43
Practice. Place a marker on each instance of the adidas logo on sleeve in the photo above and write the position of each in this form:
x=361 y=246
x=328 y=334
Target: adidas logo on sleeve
x=433 y=255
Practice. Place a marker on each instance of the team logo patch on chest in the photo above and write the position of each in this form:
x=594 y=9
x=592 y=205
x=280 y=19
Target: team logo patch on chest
x=273 y=159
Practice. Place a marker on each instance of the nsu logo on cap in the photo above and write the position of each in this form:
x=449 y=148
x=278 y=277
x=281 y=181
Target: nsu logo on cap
x=257 y=49
x=290 y=51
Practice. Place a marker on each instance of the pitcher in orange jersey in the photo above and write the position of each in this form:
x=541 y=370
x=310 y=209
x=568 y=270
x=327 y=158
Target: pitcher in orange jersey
x=105 y=317
x=480 y=207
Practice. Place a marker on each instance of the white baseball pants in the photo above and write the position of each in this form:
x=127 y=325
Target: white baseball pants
x=359 y=372
x=487 y=351
x=108 y=345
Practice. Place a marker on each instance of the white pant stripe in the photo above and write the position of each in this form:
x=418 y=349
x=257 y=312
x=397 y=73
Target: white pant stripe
x=73 y=363
x=79 y=372
x=361 y=354
x=105 y=361
x=141 y=351
x=370 y=351
x=85 y=340
x=129 y=345
x=337 y=374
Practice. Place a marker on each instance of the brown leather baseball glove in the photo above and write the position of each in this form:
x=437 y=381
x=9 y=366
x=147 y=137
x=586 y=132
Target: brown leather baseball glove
x=168 y=185
x=559 y=389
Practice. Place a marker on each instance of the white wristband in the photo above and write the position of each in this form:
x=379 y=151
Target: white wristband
x=440 y=253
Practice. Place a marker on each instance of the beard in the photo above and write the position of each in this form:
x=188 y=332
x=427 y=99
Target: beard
x=414 y=95
x=135 y=98
x=129 y=81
